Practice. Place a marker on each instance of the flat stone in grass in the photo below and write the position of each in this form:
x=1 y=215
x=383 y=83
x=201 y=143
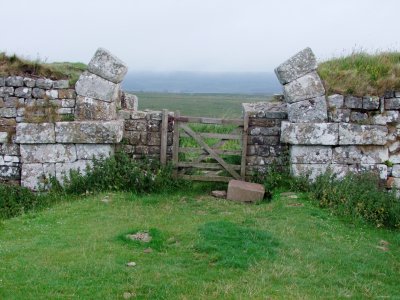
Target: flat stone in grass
x=245 y=191
x=140 y=236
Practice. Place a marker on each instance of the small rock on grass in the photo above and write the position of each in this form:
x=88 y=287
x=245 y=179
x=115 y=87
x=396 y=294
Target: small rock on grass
x=140 y=236
x=148 y=250
x=128 y=295
x=131 y=264
x=219 y=194
x=290 y=195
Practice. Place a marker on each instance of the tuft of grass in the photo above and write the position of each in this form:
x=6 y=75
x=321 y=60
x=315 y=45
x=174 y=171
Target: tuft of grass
x=362 y=73
x=14 y=65
x=235 y=246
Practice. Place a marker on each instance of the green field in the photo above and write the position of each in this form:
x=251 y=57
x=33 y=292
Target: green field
x=201 y=105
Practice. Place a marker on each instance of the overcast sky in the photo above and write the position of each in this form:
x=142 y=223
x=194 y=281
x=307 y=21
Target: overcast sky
x=197 y=35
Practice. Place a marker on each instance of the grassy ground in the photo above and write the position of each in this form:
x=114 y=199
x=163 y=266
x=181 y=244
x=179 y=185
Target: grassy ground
x=202 y=248
x=362 y=74
x=202 y=105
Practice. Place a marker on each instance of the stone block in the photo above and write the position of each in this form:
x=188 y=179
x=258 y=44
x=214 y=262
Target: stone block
x=66 y=94
x=309 y=133
x=132 y=137
x=8 y=112
x=339 y=115
x=357 y=116
x=38 y=93
x=23 y=92
x=129 y=101
x=310 y=154
x=10 y=172
x=51 y=94
x=353 y=134
x=3 y=137
x=153 y=139
x=246 y=192
x=15 y=81
x=7 y=122
x=31 y=133
x=107 y=66
x=9 y=149
x=312 y=110
x=263 y=140
x=135 y=115
x=29 y=82
x=61 y=84
x=63 y=170
x=37 y=176
x=394 y=147
x=396 y=171
x=312 y=171
x=11 y=102
x=68 y=103
x=124 y=114
x=2 y=81
x=89 y=132
x=258 y=150
x=93 y=86
x=360 y=155
x=136 y=125
x=91 y=109
x=353 y=102
x=335 y=101
x=44 y=83
x=306 y=87
x=298 y=65
x=48 y=153
x=153 y=125
x=392 y=103
x=389 y=116
x=379 y=169
x=6 y=91
x=370 y=103
x=265 y=130
x=88 y=151
x=394 y=158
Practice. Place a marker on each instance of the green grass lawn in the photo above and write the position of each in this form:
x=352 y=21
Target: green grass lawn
x=202 y=248
x=200 y=105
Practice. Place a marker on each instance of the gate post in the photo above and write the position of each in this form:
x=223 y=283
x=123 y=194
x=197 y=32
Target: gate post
x=244 y=146
x=175 y=145
x=164 y=137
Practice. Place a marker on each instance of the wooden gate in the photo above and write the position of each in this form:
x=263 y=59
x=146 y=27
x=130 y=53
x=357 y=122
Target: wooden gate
x=209 y=149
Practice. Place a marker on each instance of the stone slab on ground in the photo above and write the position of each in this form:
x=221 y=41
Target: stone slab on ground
x=242 y=191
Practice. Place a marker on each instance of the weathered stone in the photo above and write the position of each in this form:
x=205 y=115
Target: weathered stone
x=392 y=103
x=389 y=116
x=93 y=86
x=263 y=140
x=37 y=176
x=309 y=133
x=132 y=137
x=306 y=87
x=265 y=130
x=335 y=101
x=379 y=169
x=124 y=114
x=219 y=194
x=88 y=151
x=339 y=115
x=312 y=110
x=259 y=150
x=38 y=93
x=353 y=102
x=136 y=125
x=61 y=84
x=153 y=139
x=9 y=149
x=3 y=137
x=11 y=102
x=394 y=158
x=259 y=160
x=30 y=133
x=44 y=83
x=310 y=154
x=265 y=110
x=48 y=153
x=370 y=103
x=66 y=94
x=394 y=147
x=396 y=171
x=2 y=81
x=51 y=94
x=153 y=125
x=356 y=116
x=69 y=103
x=245 y=191
x=6 y=91
x=63 y=170
x=14 y=81
x=91 y=109
x=65 y=111
x=11 y=159
x=10 y=172
x=312 y=171
x=298 y=65
x=135 y=115
x=29 y=82
x=360 y=155
x=89 y=132
x=352 y=134
x=8 y=112
x=129 y=101
x=107 y=66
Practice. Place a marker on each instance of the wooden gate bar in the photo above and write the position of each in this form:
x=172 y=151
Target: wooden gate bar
x=244 y=145
x=164 y=135
x=203 y=120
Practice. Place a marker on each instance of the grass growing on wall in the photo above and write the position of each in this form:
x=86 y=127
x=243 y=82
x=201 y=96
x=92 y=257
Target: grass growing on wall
x=361 y=73
x=14 y=65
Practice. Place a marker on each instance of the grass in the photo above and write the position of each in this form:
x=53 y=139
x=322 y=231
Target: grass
x=362 y=74
x=75 y=250
x=201 y=105
x=14 y=65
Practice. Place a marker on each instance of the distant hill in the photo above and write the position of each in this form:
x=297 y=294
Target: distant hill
x=193 y=82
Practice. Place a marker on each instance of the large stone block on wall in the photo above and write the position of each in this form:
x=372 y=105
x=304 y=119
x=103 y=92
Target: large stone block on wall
x=129 y=101
x=9 y=149
x=339 y=115
x=392 y=103
x=91 y=109
x=107 y=66
x=93 y=86
x=353 y=134
x=309 y=133
x=335 y=101
x=310 y=154
x=10 y=172
x=36 y=176
x=48 y=153
x=388 y=116
x=312 y=171
x=31 y=133
x=62 y=170
x=89 y=132
x=360 y=155
x=298 y=65
x=306 y=87
x=88 y=151
x=312 y=110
